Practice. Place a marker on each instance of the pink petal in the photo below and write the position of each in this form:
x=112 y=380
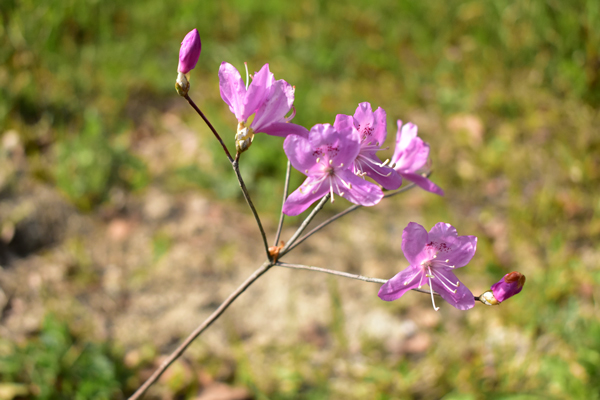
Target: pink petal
x=258 y=91
x=283 y=129
x=462 y=299
x=343 y=122
x=341 y=147
x=405 y=134
x=463 y=252
x=414 y=239
x=395 y=288
x=442 y=232
x=380 y=121
x=413 y=157
x=383 y=175
x=233 y=90
x=309 y=192
x=423 y=183
x=460 y=250
x=363 y=120
x=363 y=192
x=275 y=107
x=300 y=152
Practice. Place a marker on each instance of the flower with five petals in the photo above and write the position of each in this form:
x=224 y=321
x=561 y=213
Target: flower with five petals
x=433 y=257
x=324 y=156
x=372 y=129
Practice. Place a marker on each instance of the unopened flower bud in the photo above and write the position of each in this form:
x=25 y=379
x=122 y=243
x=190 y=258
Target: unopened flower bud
x=508 y=286
x=189 y=52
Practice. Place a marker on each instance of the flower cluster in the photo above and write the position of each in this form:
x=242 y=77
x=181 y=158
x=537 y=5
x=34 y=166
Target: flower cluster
x=333 y=157
x=341 y=160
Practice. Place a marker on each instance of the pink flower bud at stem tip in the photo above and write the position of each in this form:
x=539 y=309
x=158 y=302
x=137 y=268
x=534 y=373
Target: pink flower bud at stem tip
x=510 y=285
x=189 y=52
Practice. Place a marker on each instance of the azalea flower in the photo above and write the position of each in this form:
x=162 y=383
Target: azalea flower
x=510 y=285
x=410 y=155
x=433 y=257
x=372 y=128
x=324 y=157
x=268 y=99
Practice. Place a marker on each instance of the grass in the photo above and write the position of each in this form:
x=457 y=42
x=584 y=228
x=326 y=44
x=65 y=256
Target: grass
x=506 y=93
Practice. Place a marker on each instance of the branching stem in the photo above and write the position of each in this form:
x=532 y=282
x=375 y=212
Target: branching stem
x=198 y=331
x=290 y=244
x=285 y=193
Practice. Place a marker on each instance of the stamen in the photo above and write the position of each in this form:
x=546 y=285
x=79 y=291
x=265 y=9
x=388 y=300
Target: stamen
x=457 y=284
x=306 y=171
x=421 y=280
x=432 y=300
x=385 y=162
x=412 y=277
x=331 y=190
x=446 y=286
x=247 y=76
x=330 y=162
x=318 y=160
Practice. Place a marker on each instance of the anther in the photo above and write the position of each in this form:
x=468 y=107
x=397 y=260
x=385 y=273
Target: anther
x=330 y=162
x=318 y=160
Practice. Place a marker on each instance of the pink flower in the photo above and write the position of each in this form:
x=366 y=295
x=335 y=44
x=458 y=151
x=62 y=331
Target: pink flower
x=433 y=257
x=324 y=156
x=372 y=128
x=410 y=155
x=189 y=52
x=268 y=99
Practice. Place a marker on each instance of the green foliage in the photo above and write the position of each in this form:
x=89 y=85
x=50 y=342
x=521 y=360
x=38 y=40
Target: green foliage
x=58 y=365
x=76 y=76
x=89 y=165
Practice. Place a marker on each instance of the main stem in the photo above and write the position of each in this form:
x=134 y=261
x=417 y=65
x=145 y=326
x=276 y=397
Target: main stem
x=198 y=331
x=236 y=168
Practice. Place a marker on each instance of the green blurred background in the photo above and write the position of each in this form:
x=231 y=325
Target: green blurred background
x=507 y=94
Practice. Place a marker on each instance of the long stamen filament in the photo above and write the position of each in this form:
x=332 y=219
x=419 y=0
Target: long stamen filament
x=446 y=286
x=247 y=75
x=432 y=299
